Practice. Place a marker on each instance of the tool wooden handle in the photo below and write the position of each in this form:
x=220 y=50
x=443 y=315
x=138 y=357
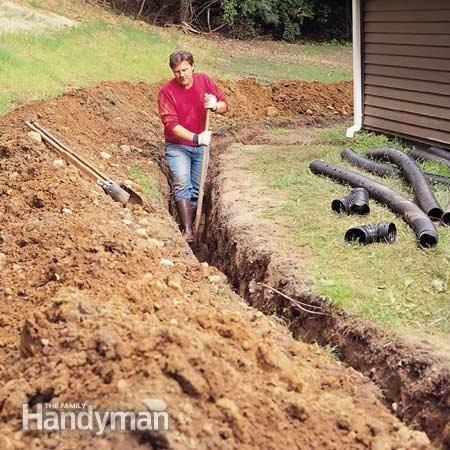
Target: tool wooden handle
x=198 y=214
x=43 y=131
x=67 y=155
x=208 y=113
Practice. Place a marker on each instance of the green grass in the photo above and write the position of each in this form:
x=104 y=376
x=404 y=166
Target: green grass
x=147 y=179
x=400 y=285
x=325 y=48
x=34 y=66
x=279 y=131
x=273 y=69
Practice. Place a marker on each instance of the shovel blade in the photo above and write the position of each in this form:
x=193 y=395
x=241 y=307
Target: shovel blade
x=135 y=198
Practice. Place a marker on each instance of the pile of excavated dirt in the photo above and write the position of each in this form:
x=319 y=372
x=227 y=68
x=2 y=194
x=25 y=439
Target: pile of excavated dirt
x=108 y=306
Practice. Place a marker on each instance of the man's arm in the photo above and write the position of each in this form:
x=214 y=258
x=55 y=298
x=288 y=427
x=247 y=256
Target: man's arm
x=198 y=139
x=221 y=107
x=180 y=132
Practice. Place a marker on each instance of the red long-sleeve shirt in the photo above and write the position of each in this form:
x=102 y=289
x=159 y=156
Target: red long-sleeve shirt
x=180 y=106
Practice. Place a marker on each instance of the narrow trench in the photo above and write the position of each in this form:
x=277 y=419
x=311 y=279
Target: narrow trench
x=415 y=385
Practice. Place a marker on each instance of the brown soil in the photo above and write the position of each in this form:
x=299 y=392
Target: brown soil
x=91 y=310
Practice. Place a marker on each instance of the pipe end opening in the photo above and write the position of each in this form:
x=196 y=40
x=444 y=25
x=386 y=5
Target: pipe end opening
x=338 y=206
x=355 y=235
x=427 y=240
x=435 y=213
x=445 y=219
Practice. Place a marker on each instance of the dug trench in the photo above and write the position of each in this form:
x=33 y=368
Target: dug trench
x=107 y=305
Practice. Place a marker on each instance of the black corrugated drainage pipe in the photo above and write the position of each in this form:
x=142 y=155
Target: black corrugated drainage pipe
x=441 y=152
x=377 y=232
x=425 y=156
x=357 y=202
x=424 y=194
x=383 y=170
x=413 y=215
x=445 y=219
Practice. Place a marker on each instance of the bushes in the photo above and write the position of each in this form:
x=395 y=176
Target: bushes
x=281 y=19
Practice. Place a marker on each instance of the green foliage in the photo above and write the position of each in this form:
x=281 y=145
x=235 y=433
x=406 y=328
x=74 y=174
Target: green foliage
x=283 y=19
x=331 y=19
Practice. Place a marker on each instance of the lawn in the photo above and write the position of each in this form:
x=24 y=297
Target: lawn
x=401 y=286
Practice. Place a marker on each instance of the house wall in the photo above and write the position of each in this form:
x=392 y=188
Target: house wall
x=406 y=68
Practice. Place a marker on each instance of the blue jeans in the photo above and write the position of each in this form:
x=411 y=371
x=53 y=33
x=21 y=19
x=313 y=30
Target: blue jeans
x=185 y=163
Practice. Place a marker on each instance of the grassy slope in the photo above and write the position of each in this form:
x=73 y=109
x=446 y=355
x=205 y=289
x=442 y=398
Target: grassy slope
x=399 y=285
x=106 y=47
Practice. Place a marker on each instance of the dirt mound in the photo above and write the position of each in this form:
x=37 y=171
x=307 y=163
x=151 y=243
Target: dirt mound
x=106 y=305
x=249 y=100
x=314 y=98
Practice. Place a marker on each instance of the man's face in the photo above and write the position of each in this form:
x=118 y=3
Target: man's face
x=183 y=74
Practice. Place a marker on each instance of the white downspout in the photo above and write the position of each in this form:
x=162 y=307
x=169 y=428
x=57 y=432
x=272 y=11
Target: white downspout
x=357 y=79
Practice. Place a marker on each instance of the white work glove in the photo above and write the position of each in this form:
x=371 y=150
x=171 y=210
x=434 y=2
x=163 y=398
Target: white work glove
x=210 y=102
x=204 y=138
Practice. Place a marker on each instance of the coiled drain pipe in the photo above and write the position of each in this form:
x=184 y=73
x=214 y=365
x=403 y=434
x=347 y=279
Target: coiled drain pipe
x=413 y=215
x=422 y=156
x=440 y=152
x=424 y=194
x=383 y=170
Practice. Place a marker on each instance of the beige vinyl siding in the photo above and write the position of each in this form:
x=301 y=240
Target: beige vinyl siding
x=406 y=66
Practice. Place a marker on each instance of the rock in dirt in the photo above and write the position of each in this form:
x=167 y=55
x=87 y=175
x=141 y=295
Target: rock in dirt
x=59 y=163
x=215 y=278
x=125 y=149
x=154 y=243
x=34 y=136
x=166 y=262
x=2 y=261
x=174 y=282
x=142 y=232
x=271 y=111
x=122 y=385
x=105 y=155
x=30 y=342
x=155 y=404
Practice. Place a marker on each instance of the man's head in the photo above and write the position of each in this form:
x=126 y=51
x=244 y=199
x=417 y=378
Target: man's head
x=182 y=65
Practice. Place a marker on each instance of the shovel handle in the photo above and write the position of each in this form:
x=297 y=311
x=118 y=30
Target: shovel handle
x=68 y=156
x=43 y=131
x=198 y=214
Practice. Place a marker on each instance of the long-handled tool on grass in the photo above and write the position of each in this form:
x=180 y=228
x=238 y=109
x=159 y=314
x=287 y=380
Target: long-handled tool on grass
x=205 y=157
x=123 y=193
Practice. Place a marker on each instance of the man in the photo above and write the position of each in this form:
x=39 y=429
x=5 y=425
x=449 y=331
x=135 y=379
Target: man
x=183 y=102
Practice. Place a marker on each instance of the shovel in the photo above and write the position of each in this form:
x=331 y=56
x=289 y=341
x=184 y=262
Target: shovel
x=201 y=191
x=123 y=193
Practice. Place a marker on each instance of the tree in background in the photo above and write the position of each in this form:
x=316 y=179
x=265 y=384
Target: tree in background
x=281 y=19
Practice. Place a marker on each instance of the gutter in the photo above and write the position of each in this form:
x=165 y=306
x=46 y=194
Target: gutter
x=357 y=78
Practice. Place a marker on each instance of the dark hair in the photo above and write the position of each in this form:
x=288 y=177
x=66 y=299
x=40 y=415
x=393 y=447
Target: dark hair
x=178 y=57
